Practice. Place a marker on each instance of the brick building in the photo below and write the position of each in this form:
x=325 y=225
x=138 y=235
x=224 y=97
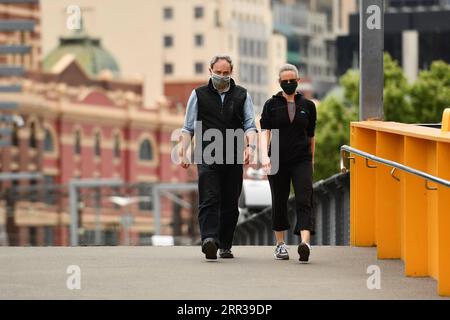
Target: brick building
x=82 y=120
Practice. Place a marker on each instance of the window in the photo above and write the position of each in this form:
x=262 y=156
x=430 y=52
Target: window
x=146 y=151
x=252 y=51
x=199 y=68
x=116 y=146
x=33 y=141
x=217 y=18
x=258 y=48
x=168 y=41
x=264 y=50
x=198 y=40
x=263 y=75
x=168 y=68
x=252 y=73
x=198 y=12
x=48 y=141
x=97 y=145
x=258 y=74
x=243 y=72
x=168 y=13
x=77 y=145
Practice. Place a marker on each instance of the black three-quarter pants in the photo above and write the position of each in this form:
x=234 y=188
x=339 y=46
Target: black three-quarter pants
x=280 y=184
x=219 y=187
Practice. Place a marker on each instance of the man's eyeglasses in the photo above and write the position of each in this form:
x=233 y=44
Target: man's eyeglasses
x=288 y=81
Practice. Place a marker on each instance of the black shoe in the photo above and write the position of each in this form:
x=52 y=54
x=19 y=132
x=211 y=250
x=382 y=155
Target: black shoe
x=303 y=251
x=209 y=248
x=226 y=254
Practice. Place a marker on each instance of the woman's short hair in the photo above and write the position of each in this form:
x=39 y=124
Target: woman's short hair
x=221 y=57
x=288 y=67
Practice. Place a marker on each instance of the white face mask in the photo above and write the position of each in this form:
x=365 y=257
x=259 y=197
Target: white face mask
x=220 y=82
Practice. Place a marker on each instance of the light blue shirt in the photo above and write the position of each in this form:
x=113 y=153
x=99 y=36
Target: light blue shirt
x=192 y=110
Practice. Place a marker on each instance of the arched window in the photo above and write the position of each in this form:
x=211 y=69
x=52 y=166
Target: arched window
x=97 y=144
x=49 y=145
x=116 y=146
x=77 y=144
x=146 y=151
x=33 y=141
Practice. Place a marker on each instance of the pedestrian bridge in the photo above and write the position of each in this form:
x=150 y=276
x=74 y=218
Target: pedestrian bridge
x=181 y=272
x=398 y=231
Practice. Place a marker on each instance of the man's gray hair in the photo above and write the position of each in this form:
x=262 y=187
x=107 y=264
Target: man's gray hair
x=289 y=67
x=221 y=57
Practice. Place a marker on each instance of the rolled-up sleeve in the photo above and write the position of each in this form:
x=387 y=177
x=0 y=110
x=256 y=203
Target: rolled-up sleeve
x=249 y=115
x=265 y=121
x=191 y=114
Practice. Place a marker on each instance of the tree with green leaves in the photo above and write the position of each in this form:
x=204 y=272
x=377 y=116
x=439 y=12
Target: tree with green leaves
x=420 y=102
x=397 y=106
x=430 y=93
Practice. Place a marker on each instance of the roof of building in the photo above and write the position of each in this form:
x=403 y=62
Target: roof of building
x=86 y=50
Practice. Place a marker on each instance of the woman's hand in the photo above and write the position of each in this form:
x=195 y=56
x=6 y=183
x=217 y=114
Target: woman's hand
x=248 y=155
x=265 y=161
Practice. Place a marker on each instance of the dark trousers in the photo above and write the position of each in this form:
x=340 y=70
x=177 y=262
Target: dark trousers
x=219 y=187
x=280 y=184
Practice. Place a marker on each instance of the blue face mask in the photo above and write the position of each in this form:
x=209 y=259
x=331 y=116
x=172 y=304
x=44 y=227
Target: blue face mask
x=220 y=82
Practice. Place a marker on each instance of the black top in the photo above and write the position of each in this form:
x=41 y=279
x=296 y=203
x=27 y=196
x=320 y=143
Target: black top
x=294 y=137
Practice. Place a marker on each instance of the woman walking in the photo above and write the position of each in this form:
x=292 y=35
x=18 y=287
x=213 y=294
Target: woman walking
x=295 y=117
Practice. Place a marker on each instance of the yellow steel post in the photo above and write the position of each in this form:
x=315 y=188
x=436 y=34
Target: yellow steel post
x=432 y=210
x=443 y=171
x=362 y=190
x=415 y=210
x=388 y=196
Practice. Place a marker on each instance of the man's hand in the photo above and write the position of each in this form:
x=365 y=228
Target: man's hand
x=185 y=141
x=184 y=160
x=248 y=155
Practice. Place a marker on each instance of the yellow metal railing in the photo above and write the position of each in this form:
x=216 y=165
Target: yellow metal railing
x=398 y=212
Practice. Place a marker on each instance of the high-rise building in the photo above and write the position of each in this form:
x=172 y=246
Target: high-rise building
x=170 y=42
x=415 y=34
x=195 y=31
x=310 y=40
x=341 y=15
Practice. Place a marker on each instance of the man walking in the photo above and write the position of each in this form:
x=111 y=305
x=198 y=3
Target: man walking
x=222 y=107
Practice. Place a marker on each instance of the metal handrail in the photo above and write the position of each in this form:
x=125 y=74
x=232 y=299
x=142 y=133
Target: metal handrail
x=368 y=156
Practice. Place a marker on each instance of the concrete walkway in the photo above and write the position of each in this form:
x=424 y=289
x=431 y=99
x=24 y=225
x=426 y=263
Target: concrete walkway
x=182 y=273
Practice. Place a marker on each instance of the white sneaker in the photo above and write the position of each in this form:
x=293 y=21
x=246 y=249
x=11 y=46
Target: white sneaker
x=281 y=252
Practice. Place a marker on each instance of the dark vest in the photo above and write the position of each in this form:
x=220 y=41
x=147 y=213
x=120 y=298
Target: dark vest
x=214 y=114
